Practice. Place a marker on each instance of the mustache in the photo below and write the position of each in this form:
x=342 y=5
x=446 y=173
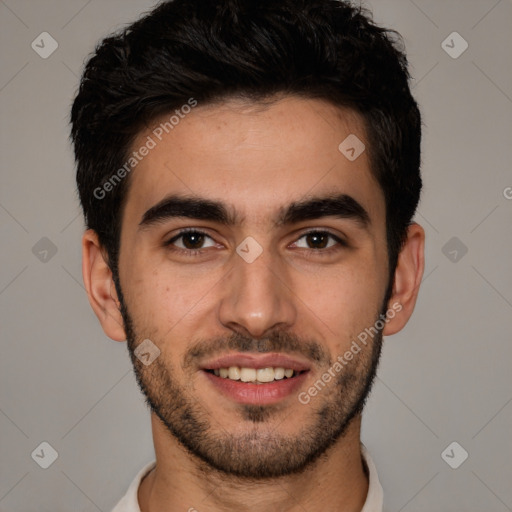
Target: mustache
x=279 y=341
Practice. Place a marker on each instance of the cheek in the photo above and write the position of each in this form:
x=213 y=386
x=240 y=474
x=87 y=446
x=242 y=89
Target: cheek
x=162 y=299
x=342 y=302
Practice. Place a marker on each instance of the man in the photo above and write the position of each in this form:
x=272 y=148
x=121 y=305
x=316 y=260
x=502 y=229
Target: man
x=248 y=172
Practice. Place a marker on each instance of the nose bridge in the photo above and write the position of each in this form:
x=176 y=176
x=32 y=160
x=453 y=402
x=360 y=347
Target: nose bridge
x=256 y=296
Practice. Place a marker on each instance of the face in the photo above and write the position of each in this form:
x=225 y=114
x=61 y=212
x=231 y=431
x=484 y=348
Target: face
x=253 y=254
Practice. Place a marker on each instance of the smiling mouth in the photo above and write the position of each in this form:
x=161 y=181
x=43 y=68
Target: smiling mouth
x=255 y=375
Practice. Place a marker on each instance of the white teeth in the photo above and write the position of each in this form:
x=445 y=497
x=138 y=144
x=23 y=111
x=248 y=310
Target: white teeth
x=268 y=374
x=278 y=373
x=265 y=375
x=234 y=373
x=247 y=374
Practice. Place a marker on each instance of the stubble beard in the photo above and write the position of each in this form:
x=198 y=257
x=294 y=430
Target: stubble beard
x=258 y=451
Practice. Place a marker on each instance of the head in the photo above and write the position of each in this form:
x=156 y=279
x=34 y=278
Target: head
x=228 y=118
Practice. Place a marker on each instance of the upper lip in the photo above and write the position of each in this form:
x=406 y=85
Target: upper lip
x=256 y=361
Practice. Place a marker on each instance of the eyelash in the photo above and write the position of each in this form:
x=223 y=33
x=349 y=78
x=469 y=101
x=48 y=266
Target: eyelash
x=199 y=252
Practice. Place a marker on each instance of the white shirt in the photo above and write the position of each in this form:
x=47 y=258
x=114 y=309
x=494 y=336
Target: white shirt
x=373 y=503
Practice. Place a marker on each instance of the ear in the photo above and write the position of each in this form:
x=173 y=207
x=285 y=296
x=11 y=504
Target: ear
x=408 y=274
x=100 y=286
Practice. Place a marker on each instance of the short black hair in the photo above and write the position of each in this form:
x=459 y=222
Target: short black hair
x=214 y=50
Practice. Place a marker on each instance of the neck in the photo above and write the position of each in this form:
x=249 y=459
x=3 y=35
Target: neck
x=337 y=481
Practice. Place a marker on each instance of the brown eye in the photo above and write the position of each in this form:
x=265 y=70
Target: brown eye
x=191 y=240
x=315 y=240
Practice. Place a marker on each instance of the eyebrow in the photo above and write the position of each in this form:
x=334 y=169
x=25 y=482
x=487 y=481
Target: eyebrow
x=339 y=205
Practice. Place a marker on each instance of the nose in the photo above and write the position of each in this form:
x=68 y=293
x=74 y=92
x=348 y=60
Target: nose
x=258 y=296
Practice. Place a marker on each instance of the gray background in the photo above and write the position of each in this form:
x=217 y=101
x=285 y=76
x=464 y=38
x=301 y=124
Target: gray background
x=444 y=378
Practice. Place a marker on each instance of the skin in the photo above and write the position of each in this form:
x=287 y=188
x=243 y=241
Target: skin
x=256 y=160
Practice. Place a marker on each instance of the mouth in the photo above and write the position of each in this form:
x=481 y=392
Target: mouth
x=256 y=379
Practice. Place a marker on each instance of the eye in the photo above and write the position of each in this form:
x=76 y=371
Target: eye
x=317 y=240
x=191 y=240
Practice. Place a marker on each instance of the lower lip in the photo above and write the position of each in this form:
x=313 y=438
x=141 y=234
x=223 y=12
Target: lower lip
x=248 y=393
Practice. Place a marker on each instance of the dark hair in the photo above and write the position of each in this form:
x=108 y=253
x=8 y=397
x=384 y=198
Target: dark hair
x=212 y=50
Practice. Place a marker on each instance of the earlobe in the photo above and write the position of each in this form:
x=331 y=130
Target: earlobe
x=408 y=275
x=100 y=287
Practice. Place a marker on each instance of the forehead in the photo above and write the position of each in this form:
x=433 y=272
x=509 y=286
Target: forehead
x=255 y=158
